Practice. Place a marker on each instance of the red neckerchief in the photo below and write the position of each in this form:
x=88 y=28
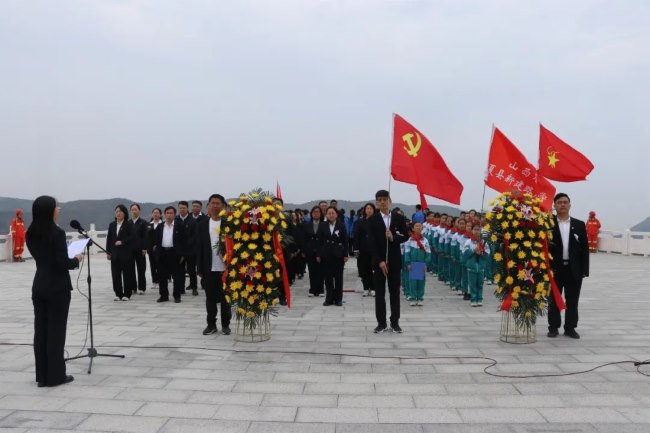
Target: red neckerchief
x=418 y=239
x=454 y=230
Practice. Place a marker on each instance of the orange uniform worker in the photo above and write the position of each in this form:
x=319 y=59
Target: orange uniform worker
x=593 y=228
x=18 y=236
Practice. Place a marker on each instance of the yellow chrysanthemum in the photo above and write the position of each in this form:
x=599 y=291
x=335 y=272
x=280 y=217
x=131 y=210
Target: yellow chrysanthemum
x=270 y=227
x=268 y=290
x=515 y=304
x=542 y=305
x=521 y=274
x=527 y=244
x=267 y=265
x=232 y=202
x=507 y=236
x=531 y=234
x=245 y=237
x=266 y=237
x=516 y=289
x=254 y=263
x=234 y=261
x=513 y=246
x=259 y=288
x=237 y=235
x=232 y=273
x=535 y=254
x=269 y=277
x=255 y=236
x=244 y=294
x=235 y=295
x=276 y=301
x=237 y=214
x=283 y=225
x=519 y=215
x=499 y=216
x=510 y=216
x=542 y=265
x=246 y=220
x=491 y=203
x=510 y=264
x=521 y=255
x=515 y=295
x=251 y=299
x=244 y=255
x=250 y=314
x=497 y=278
x=505 y=225
x=534 y=263
x=258 y=275
x=528 y=314
x=242 y=269
x=236 y=246
x=263 y=305
x=542 y=235
x=538 y=296
x=228 y=299
x=227 y=230
x=498 y=257
x=252 y=246
x=259 y=256
x=494 y=238
x=236 y=285
x=546 y=278
x=240 y=310
x=540 y=287
x=266 y=247
x=509 y=280
x=499 y=289
x=519 y=234
x=277 y=273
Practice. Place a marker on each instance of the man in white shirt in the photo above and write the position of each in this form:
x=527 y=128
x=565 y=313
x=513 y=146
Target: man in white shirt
x=570 y=265
x=171 y=256
x=210 y=266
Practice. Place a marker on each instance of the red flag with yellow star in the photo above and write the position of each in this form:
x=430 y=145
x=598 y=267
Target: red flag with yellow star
x=416 y=161
x=509 y=170
x=559 y=161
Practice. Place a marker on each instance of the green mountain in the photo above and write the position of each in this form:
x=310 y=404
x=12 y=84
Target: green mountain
x=643 y=226
x=100 y=212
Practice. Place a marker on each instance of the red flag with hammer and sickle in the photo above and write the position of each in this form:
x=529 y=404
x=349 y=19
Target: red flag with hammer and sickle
x=416 y=161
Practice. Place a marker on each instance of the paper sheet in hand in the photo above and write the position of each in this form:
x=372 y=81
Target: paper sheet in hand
x=77 y=247
x=417 y=271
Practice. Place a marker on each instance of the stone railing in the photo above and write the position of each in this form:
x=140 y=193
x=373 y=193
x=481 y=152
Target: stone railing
x=622 y=242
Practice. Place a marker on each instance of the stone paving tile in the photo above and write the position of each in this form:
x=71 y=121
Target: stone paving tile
x=378 y=401
x=339 y=388
x=466 y=428
x=428 y=415
x=163 y=395
x=126 y=424
x=500 y=415
x=556 y=428
x=336 y=415
x=300 y=400
x=111 y=407
x=584 y=415
x=244 y=398
x=283 y=427
x=178 y=410
x=204 y=426
x=379 y=428
x=256 y=413
x=48 y=404
x=40 y=419
x=621 y=428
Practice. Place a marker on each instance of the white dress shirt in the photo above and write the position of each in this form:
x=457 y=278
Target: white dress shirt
x=565 y=231
x=168 y=235
x=217 y=262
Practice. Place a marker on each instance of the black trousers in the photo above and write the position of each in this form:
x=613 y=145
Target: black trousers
x=141 y=269
x=123 y=274
x=364 y=265
x=169 y=266
x=213 y=286
x=153 y=266
x=571 y=288
x=50 y=323
x=333 y=272
x=315 y=276
x=190 y=266
x=393 y=294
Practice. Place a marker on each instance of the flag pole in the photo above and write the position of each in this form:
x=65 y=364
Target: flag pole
x=487 y=173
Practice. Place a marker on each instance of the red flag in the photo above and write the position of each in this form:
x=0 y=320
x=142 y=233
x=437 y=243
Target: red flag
x=416 y=161
x=278 y=191
x=423 y=202
x=508 y=170
x=559 y=161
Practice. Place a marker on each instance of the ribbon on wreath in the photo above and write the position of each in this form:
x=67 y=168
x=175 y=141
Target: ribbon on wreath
x=559 y=302
x=507 y=301
x=283 y=266
x=227 y=258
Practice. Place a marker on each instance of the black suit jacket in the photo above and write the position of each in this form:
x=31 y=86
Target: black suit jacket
x=139 y=235
x=361 y=236
x=123 y=252
x=52 y=264
x=151 y=236
x=180 y=238
x=311 y=240
x=190 y=233
x=376 y=237
x=204 y=248
x=578 y=249
x=333 y=244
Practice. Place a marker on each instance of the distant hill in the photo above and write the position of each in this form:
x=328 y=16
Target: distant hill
x=100 y=212
x=643 y=226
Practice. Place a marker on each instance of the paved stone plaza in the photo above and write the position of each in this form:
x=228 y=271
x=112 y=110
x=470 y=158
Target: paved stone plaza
x=355 y=383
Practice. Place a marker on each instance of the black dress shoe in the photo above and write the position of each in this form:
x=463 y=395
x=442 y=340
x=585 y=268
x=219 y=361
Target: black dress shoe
x=177 y=300
x=552 y=333
x=327 y=304
x=572 y=333
x=68 y=379
x=225 y=331
x=339 y=304
x=195 y=292
x=379 y=329
x=41 y=384
x=161 y=299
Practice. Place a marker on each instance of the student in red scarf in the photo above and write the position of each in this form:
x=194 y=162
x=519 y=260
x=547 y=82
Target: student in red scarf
x=417 y=254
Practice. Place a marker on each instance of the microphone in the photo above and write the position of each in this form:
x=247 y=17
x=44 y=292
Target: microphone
x=75 y=225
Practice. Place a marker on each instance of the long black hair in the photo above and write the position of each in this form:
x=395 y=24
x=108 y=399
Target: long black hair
x=42 y=218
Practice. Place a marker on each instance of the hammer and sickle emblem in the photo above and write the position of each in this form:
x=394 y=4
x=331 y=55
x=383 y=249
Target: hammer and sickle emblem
x=411 y=149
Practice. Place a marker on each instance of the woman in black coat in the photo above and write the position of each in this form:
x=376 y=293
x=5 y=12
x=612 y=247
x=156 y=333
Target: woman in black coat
x=311 y=246
x=362 y=250
x=50 y=291
x=333 y=256
x=119 y=246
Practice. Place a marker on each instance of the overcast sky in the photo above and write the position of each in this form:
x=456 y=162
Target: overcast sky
x=164 y=100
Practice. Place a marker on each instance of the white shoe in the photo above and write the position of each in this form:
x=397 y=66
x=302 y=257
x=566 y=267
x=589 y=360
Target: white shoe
x=413 y=303
x=117 y=298
x=372 y=293
x=141 y=292
x=420 y=303
x=479 y=304
x=322 y=295
x=474 y=304
x=125 y=298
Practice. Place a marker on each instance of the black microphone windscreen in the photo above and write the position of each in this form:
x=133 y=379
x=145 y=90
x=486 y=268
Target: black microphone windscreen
x=75 y=224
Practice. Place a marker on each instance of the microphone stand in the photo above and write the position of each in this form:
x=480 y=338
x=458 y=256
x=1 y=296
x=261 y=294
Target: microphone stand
x=92 y=352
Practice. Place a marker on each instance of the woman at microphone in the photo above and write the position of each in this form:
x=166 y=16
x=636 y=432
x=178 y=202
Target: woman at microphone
x=50 y=291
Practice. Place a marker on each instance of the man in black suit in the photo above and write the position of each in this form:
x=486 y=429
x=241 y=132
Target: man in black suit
x=190 y=225
x=386 y=231
x=171 y=248
x=139 y=247
x=198 y=216
x=570 y=265
x=210 y=266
